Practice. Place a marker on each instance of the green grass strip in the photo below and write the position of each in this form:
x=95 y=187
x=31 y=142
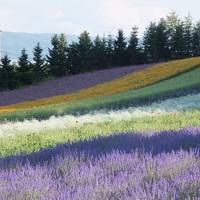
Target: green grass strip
x=27 y=143
x=176 y=86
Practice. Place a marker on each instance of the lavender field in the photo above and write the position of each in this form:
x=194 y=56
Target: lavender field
x=65 y=85
x=162 y=165
x=111 y=113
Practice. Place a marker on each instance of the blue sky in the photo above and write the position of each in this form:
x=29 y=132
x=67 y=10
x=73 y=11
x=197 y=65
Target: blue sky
x=96 y=16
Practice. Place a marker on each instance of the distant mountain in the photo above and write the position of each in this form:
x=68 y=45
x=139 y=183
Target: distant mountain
x=13 y=43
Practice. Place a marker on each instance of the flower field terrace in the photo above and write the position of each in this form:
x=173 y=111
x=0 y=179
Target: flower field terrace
x=34 y=141
x=65 y=85
x=133 y=142
x=122 y=166
x=61 y=123
x=184 y=84
x=135 y=80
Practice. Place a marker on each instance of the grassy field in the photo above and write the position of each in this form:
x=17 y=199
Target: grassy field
x=27 y=143
x=142 y=143
x=185 y=83
x=135 y=80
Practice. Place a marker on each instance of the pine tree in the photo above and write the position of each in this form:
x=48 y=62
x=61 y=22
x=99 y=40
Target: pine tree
x=74 y=58
x=163 y=49
x=196 y=40
x=133 y=48
x=39 y=66
x=23 y=62
x=53 y=57
x=85 y=52
x=63 y=64
x=99 y=53
x=187 y=34
x=150 y=43
x=24 y=71
x=120 y=56
x=178 y=45
x=7 y=74
x=172 y=21
x=110 y=51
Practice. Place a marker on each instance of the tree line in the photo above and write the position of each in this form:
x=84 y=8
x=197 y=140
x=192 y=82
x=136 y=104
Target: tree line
x=169 y=38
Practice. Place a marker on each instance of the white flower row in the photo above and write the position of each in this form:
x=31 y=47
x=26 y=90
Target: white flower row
x=63 y=122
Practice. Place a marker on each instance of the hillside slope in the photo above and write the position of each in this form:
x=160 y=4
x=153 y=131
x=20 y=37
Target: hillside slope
x=142 y=78
x=183 y=84
x=65 y=85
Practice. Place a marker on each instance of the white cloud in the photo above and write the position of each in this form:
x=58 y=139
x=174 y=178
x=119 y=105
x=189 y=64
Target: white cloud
x=125 y=14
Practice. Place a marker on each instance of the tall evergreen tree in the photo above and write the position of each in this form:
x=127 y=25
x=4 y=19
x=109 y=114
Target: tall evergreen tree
x=7 y=74
x=163 y=49
x=53 y=57
x=24 y=71
x=85 y=52
x=150 y=43
x=23 y=62
x=99 y=53
x=172 y=21
x=178 y=45
x=120 y=56
x=63 y=64
x=133 y=48
x=74 y=58
x=39 y=66
x=187 y=34
x=110 y=51
x=196 y=40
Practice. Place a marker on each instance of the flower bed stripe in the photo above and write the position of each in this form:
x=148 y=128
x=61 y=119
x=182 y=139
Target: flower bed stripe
x=135 y=80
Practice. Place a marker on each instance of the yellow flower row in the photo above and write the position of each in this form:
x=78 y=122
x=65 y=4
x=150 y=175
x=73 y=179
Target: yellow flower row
x=134 y=80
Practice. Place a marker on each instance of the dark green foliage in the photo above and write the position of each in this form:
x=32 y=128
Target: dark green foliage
x=57 y=58
x=7 y=74
x=24 y=71
x=150 y=43
x=187 y=36
x=85 y=52
x=133 y=47
x=24 y=65
x=80 y=55
x=73 y=58
x=99 y=53
x=196 y=40
x=110 y=51
x=120 y=54
x=178 y=45
x=162 y=41
x=169 y=38
x=38 y=66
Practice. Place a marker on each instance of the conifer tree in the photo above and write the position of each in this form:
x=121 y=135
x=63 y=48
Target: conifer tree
x=53 y=57
x=120 y=56
x=85 y=52
x=178 y=45
x=196 y=40
x=24 y=71
x=23 y=62
x=171 y=21
x=163 y=49
x=63 y=64
x=187 y=34
x=133 y=48
x=150 y=43
x=39 y=66
x=110 y=51
x=99 y=53
x=7 y=74
x=74 y=58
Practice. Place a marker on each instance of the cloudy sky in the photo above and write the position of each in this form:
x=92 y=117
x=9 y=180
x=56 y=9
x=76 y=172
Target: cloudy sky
x=96 y=16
